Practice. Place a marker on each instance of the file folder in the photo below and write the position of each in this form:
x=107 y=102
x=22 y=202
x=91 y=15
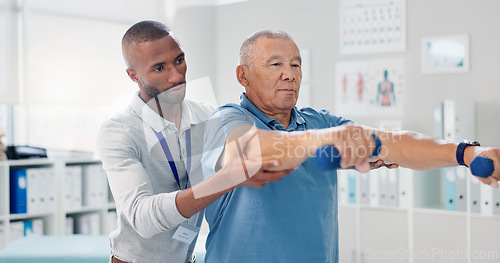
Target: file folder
x=351 y=187
x=93 y=185
x=16 y=230
x=2 y=236
x=51 y=189
x=77 y=187
x=404 y=175
x=392 y=185
x=450 y=187
x=460 y=188
x=70 y=225
x=342 y=186
x=73 y=187
x=374 y=188
x=34 y=199
x=383 y=185
x=88 y=224
x=496 y=201
x=486 y=199
x=37 y=226
x=364 y=188
x=41 y=191
x=28 y=228
x=18 y=191
x=475 y=193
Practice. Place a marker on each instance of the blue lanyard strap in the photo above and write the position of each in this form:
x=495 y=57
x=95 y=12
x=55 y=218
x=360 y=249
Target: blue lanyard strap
x=170 y=159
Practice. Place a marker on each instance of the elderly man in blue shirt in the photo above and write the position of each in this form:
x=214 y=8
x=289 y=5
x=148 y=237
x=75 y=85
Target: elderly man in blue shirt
x=295 y=219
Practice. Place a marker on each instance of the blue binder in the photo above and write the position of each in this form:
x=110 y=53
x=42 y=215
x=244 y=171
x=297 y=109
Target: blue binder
x=18 y=191
x=28 y=228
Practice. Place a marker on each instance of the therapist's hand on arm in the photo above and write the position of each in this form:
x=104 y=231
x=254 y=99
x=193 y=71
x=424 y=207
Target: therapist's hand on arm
x=237 y=171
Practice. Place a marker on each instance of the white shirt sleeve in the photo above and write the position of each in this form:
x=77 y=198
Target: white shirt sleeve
x=149 y=213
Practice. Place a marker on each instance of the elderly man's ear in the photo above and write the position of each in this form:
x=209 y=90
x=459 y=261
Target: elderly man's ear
x=241 y=74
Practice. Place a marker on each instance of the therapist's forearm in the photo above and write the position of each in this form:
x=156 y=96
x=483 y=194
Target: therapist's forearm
x=194 y=199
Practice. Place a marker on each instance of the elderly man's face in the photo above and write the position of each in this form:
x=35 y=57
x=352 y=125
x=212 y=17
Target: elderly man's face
x=274 y=76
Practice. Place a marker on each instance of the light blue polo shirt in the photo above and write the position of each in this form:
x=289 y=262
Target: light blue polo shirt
x=290 y=220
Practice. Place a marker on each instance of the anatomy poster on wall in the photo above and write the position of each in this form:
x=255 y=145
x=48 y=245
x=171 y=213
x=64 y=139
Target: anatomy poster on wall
x=370 y=88
x=350 y=88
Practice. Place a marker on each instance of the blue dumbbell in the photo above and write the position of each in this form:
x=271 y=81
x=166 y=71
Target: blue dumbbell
x=328 y=157
x=482 y=166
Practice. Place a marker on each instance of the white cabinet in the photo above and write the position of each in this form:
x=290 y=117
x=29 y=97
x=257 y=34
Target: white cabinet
x=56 y=198
x=420 y=229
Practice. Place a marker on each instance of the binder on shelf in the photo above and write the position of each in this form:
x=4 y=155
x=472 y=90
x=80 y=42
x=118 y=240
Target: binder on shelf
x=383 y=186
x=32 y=227
x=18 y=191
x=460 y=199
x=28 y=228
x=38 y=227
x=49 y=188
x=374 y=188
x=34 y=197
x=41 y=191
x=73 y=187
x=392 y=185
x=93 y=185
x=88 y=224
x=475 y=193
x=95 y=223
x=450 y=189
x=2 y=236
x=342 y=193
x=103 y=190
x=70 y=225
x=496 y=201
x=16 y=230
x=364 y=189
x=486 y=199
x=77 y=186
x=404 y=177
x=351 y=186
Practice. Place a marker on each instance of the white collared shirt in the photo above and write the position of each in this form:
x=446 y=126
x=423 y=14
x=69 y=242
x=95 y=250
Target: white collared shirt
x=142 y=181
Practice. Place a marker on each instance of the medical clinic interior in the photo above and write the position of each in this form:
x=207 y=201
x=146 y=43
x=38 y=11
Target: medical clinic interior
x=430 y=67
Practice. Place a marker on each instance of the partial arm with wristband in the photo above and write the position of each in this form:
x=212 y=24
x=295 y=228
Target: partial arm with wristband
x=356 y=146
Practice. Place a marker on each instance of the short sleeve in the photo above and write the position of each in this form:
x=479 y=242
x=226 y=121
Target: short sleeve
x=219 y=125
x=333 y=120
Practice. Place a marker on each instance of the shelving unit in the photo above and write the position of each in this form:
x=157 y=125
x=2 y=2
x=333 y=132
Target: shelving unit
x=54 y=221
x=422 y=231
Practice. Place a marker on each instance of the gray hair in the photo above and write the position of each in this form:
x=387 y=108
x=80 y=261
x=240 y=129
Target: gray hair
x=247 y=48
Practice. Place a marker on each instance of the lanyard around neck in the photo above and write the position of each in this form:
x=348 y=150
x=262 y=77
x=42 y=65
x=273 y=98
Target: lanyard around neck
x=170 y=159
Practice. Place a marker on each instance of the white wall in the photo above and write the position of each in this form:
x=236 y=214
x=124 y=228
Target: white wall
x=314 y=25
x=71 y=71
x=212 y=34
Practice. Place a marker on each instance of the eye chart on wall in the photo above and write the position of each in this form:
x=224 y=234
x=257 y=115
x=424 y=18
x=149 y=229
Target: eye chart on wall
x=372 y=26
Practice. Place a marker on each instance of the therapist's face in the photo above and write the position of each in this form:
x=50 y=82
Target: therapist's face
x=159 y=66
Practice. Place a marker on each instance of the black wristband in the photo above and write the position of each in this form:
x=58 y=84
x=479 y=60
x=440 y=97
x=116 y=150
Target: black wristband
x=461 y=150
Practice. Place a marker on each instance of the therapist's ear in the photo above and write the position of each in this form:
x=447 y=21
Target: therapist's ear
x=242 y=72
x=133 y=75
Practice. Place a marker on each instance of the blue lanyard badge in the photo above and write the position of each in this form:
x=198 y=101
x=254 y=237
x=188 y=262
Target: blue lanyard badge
x=170 y=159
